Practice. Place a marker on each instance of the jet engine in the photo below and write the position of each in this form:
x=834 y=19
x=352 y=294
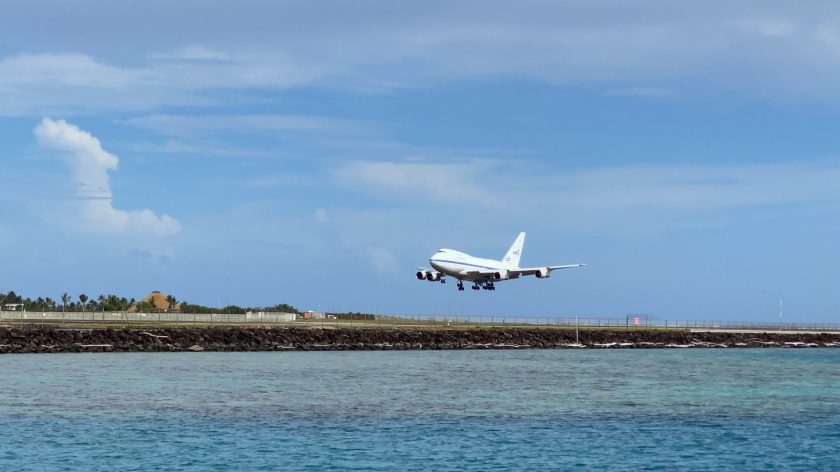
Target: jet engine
x=501 y=275
x=543 y=273
x=422 y=274
x=433 y=276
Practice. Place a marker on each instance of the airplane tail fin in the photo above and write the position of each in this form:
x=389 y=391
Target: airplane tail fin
x=515 y=252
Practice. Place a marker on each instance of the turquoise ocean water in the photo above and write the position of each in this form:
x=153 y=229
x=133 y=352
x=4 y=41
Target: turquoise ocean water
x=721 y=409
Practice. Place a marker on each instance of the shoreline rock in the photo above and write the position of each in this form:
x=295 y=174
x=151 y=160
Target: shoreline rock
x=54 y=340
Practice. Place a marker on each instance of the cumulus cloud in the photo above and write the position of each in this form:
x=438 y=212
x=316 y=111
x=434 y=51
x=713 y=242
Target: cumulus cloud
x=90 y=164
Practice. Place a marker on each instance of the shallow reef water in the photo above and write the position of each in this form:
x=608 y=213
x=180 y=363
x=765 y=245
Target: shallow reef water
x=745 y=409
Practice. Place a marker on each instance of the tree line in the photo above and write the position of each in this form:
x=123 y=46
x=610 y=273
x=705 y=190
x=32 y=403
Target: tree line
x=111 y=302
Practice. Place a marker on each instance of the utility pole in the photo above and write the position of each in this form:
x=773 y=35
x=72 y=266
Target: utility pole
x=780 y=307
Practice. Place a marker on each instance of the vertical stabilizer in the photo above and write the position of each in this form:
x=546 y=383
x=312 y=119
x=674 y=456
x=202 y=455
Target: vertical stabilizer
x=515 y=252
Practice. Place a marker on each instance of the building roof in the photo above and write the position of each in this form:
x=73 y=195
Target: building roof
x=158 y=299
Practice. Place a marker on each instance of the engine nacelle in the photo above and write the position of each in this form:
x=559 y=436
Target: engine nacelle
x=543 y=273
x=501 y=275
x=433 y=276
x=422 y=274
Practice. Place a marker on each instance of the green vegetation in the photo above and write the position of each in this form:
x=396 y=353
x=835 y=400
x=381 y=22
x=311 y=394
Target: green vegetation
x=111 y=302
x=234 y=309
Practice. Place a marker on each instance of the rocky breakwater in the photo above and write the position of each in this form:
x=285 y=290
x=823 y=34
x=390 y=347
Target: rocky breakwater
x=314 y=339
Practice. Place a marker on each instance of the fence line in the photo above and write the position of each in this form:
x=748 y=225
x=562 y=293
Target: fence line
x=402 y=321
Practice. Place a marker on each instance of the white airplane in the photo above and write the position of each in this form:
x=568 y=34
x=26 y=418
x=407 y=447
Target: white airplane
x=483 y=273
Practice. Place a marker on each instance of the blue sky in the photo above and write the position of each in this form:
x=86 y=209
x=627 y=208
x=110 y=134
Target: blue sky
x=315 y=153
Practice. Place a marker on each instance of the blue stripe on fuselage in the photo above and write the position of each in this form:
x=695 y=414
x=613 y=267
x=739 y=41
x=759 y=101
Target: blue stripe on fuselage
x=463 y=264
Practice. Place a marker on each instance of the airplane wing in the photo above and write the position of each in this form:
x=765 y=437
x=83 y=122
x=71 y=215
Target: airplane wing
x=547 y=270
x=516 y=273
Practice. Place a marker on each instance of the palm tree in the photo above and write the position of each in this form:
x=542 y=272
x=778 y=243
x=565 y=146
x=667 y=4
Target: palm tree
x=83 y=298
x=111 y=302
x=172 y=301
x=64 y=299
x=49 y=303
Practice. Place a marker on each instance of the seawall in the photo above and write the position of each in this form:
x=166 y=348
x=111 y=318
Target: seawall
x=46 y=340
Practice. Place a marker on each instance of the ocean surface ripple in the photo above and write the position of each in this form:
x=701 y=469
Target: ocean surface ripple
x=746 y=409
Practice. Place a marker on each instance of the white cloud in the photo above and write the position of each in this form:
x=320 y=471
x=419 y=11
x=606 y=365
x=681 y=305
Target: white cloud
x=768 y=27
x=608 y=199
x=699 y=187
x=382 y=260
x=321 y=216
x=66 y=70
x=660 y=92
x=752 y=47
x=203 y=148
x=280 y=179
x=179 y=125
x=418 y=180
x=90 y=164
x=193 y=53
x=38 y=83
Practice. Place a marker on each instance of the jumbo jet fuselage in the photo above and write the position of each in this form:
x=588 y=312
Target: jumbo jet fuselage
x=483 y=272
x=463 y=266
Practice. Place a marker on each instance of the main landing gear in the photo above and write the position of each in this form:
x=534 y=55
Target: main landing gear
x=477 y=286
